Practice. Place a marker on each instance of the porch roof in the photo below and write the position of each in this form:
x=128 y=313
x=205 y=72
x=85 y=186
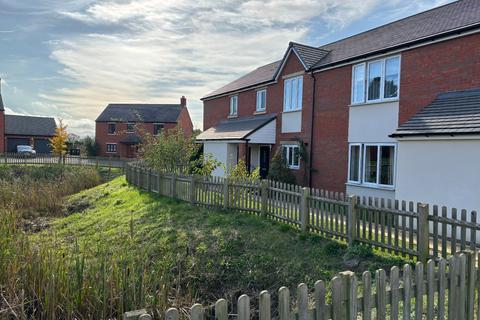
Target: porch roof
x=236 y=129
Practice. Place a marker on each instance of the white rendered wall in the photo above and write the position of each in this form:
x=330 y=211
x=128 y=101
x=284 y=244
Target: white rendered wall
x=265 y=134
x=292 y=121
x=217 y=150
x=441 y=172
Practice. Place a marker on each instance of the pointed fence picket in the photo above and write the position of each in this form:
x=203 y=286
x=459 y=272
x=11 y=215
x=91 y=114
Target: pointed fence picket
x=413 y=230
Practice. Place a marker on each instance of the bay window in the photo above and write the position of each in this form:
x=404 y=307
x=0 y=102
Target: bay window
x=261 y=100
x=372 y=164
x=291 y=154
x=292 y=94
x=376 y=81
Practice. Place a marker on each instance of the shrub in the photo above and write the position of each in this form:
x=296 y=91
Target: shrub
x=89 y=147
x=279 y=170
x=241 y=173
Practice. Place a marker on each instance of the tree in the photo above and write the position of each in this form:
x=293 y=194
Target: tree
x=89 y=146
x=59 y=140
x=279 y=170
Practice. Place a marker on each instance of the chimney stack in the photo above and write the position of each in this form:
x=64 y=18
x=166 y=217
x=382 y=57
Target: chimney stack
x=183 y=101
x=2 y=108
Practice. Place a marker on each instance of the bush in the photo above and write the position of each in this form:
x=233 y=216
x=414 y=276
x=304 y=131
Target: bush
x=279 y=170
x=89 y=147
x=241 y=173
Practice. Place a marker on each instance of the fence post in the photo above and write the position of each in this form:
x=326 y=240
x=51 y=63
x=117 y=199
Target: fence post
x=423 y=233
x=192 y=190
x=304 y=209
x=470 y=281
x=149 y=180
x=264 y=194
x=173 y=189
x=349 y=292
x=352 y=219
x=159 y=182
x=226 y=194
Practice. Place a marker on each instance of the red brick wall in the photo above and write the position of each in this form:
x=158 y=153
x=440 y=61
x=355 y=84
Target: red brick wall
x=330 y=137
x=445 y=66
x=2 y=131
x=185 y=122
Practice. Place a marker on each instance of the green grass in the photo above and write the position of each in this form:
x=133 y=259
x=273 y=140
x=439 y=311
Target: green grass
x=129 y=249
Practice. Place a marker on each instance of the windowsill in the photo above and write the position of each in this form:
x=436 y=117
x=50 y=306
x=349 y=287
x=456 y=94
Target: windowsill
x=373 y=102
x=232 y=116
x=111 y=134
x=260 y=112
x=370 y=186
x=110 y=152
x=292 y=111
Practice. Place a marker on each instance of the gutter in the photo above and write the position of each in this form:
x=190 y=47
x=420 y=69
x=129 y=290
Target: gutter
x=312 y=122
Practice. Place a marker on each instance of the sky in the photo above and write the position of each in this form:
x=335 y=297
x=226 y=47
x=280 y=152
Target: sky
x=70 y=58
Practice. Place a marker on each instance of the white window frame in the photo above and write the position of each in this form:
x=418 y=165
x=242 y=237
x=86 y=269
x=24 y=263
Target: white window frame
x=382 y=81
x=360 y=161
x=133 y=127
x=158 y=124
x=233 y=110
x=114 y=144
x=292 y=166
x=364 y=65
x=259 y=107
x=299 y=94
x=108 y=128
x=379 y=145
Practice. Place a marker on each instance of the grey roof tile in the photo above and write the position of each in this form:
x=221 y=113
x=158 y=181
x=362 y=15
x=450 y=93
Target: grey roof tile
x=451 y=112
x=446 y=18
x=309 y=55
x=236 y=129
x=29 y=125
x=140 y=113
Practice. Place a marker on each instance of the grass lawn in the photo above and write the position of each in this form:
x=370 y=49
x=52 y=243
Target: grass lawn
x=164 y=252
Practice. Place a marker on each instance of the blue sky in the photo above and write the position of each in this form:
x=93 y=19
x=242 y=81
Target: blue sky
x=69 y=58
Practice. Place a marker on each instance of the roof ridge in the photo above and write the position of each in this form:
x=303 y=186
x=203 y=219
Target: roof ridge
x=308 y=46
x=392 y=22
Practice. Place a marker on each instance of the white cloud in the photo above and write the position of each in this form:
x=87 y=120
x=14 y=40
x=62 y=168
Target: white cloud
x=167 y=48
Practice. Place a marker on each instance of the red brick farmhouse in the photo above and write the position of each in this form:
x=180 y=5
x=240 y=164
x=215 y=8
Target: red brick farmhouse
x=115 y=130
x=25 y=130
x=393 y=112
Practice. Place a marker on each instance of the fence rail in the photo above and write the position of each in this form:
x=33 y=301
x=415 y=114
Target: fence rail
x=410 y=229
x=15 y=158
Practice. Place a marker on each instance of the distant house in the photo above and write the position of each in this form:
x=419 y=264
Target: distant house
x=115 y=130
x=25 y=130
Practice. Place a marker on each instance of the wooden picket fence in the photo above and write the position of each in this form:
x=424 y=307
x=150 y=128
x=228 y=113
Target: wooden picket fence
x=414 y=230
x=442 y=289
x=41 y=159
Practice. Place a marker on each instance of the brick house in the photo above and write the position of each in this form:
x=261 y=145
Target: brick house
x=25 y=130
x=115 y=128
x=356 y=106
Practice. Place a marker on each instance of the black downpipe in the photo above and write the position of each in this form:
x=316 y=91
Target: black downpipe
x=311 y=131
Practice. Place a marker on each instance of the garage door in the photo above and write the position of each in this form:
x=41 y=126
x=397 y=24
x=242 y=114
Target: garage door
x=12 y=143
x=42 y=146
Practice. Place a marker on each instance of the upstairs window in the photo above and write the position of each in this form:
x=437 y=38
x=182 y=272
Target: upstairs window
x=291 y=154
x=130 y=127
x=376 y=81
x=261 y=100
x=292 y=94
x=157 y=128
x=112 y=128
x=234 y=105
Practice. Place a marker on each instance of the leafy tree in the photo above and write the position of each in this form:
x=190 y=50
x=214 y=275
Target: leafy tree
x=205 y=165
x=279 y=170
x=89 y=146
x=59 y=140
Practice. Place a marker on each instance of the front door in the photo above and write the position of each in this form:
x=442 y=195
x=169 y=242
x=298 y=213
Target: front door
x=131 y=151
x=264 y=161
